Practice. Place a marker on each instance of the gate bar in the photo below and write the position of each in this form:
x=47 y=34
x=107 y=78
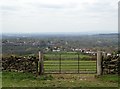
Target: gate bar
x=60 y=64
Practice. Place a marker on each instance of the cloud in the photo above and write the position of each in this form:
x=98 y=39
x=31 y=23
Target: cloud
x=63 y=15
x=60 y=6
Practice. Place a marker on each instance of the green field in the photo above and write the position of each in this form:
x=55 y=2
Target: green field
x=14 y=79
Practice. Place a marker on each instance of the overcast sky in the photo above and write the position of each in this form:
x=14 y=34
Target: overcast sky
x=28 y=16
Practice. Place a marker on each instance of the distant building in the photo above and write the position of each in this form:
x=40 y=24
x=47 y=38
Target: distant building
x=58 y=50
x=108 y=54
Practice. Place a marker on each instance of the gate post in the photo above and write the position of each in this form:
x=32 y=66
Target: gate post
x=78 y=62
x=99 y=63
x=40 y=64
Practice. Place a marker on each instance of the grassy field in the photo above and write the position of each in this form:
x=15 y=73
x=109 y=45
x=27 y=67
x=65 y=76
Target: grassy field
x=14 y=79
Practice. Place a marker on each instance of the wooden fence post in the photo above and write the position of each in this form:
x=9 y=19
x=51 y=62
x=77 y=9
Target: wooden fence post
x=99 y=63
x=40 y=64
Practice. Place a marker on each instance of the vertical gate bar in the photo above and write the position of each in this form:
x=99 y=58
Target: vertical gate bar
x=60 y=64
x=54 y=58
x=78 y=62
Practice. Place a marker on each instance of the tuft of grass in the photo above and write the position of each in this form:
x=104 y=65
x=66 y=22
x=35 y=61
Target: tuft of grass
x=45 y=77
x=17 y=76
x=109 y=78
x=22 y=76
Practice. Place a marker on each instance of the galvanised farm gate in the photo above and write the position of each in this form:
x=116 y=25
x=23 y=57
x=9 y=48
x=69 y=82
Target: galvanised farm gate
x=69 y=63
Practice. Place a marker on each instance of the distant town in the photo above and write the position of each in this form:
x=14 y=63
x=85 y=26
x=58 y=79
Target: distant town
x=88 y=44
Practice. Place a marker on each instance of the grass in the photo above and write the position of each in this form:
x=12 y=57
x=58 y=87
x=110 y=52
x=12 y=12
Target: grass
x=14 y=79
x=0 y=79
x=110 y=78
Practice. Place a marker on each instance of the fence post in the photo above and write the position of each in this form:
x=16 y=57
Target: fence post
x=99 y=63
x=78 y=62
x=40 y=63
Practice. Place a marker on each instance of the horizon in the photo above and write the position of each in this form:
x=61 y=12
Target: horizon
x=59 y=33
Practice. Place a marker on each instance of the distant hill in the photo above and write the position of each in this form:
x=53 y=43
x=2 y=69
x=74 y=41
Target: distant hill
x=108 y=34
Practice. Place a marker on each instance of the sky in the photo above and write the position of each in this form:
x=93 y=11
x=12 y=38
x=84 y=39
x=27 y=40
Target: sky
x=45 y=16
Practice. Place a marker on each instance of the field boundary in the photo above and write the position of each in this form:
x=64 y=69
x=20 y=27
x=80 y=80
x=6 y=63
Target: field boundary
x=37 y=65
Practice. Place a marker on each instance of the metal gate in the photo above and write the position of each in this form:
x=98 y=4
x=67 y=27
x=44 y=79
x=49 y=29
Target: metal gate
x=69 y=63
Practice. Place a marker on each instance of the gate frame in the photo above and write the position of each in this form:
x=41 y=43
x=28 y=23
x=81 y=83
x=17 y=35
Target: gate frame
x=78 y=72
